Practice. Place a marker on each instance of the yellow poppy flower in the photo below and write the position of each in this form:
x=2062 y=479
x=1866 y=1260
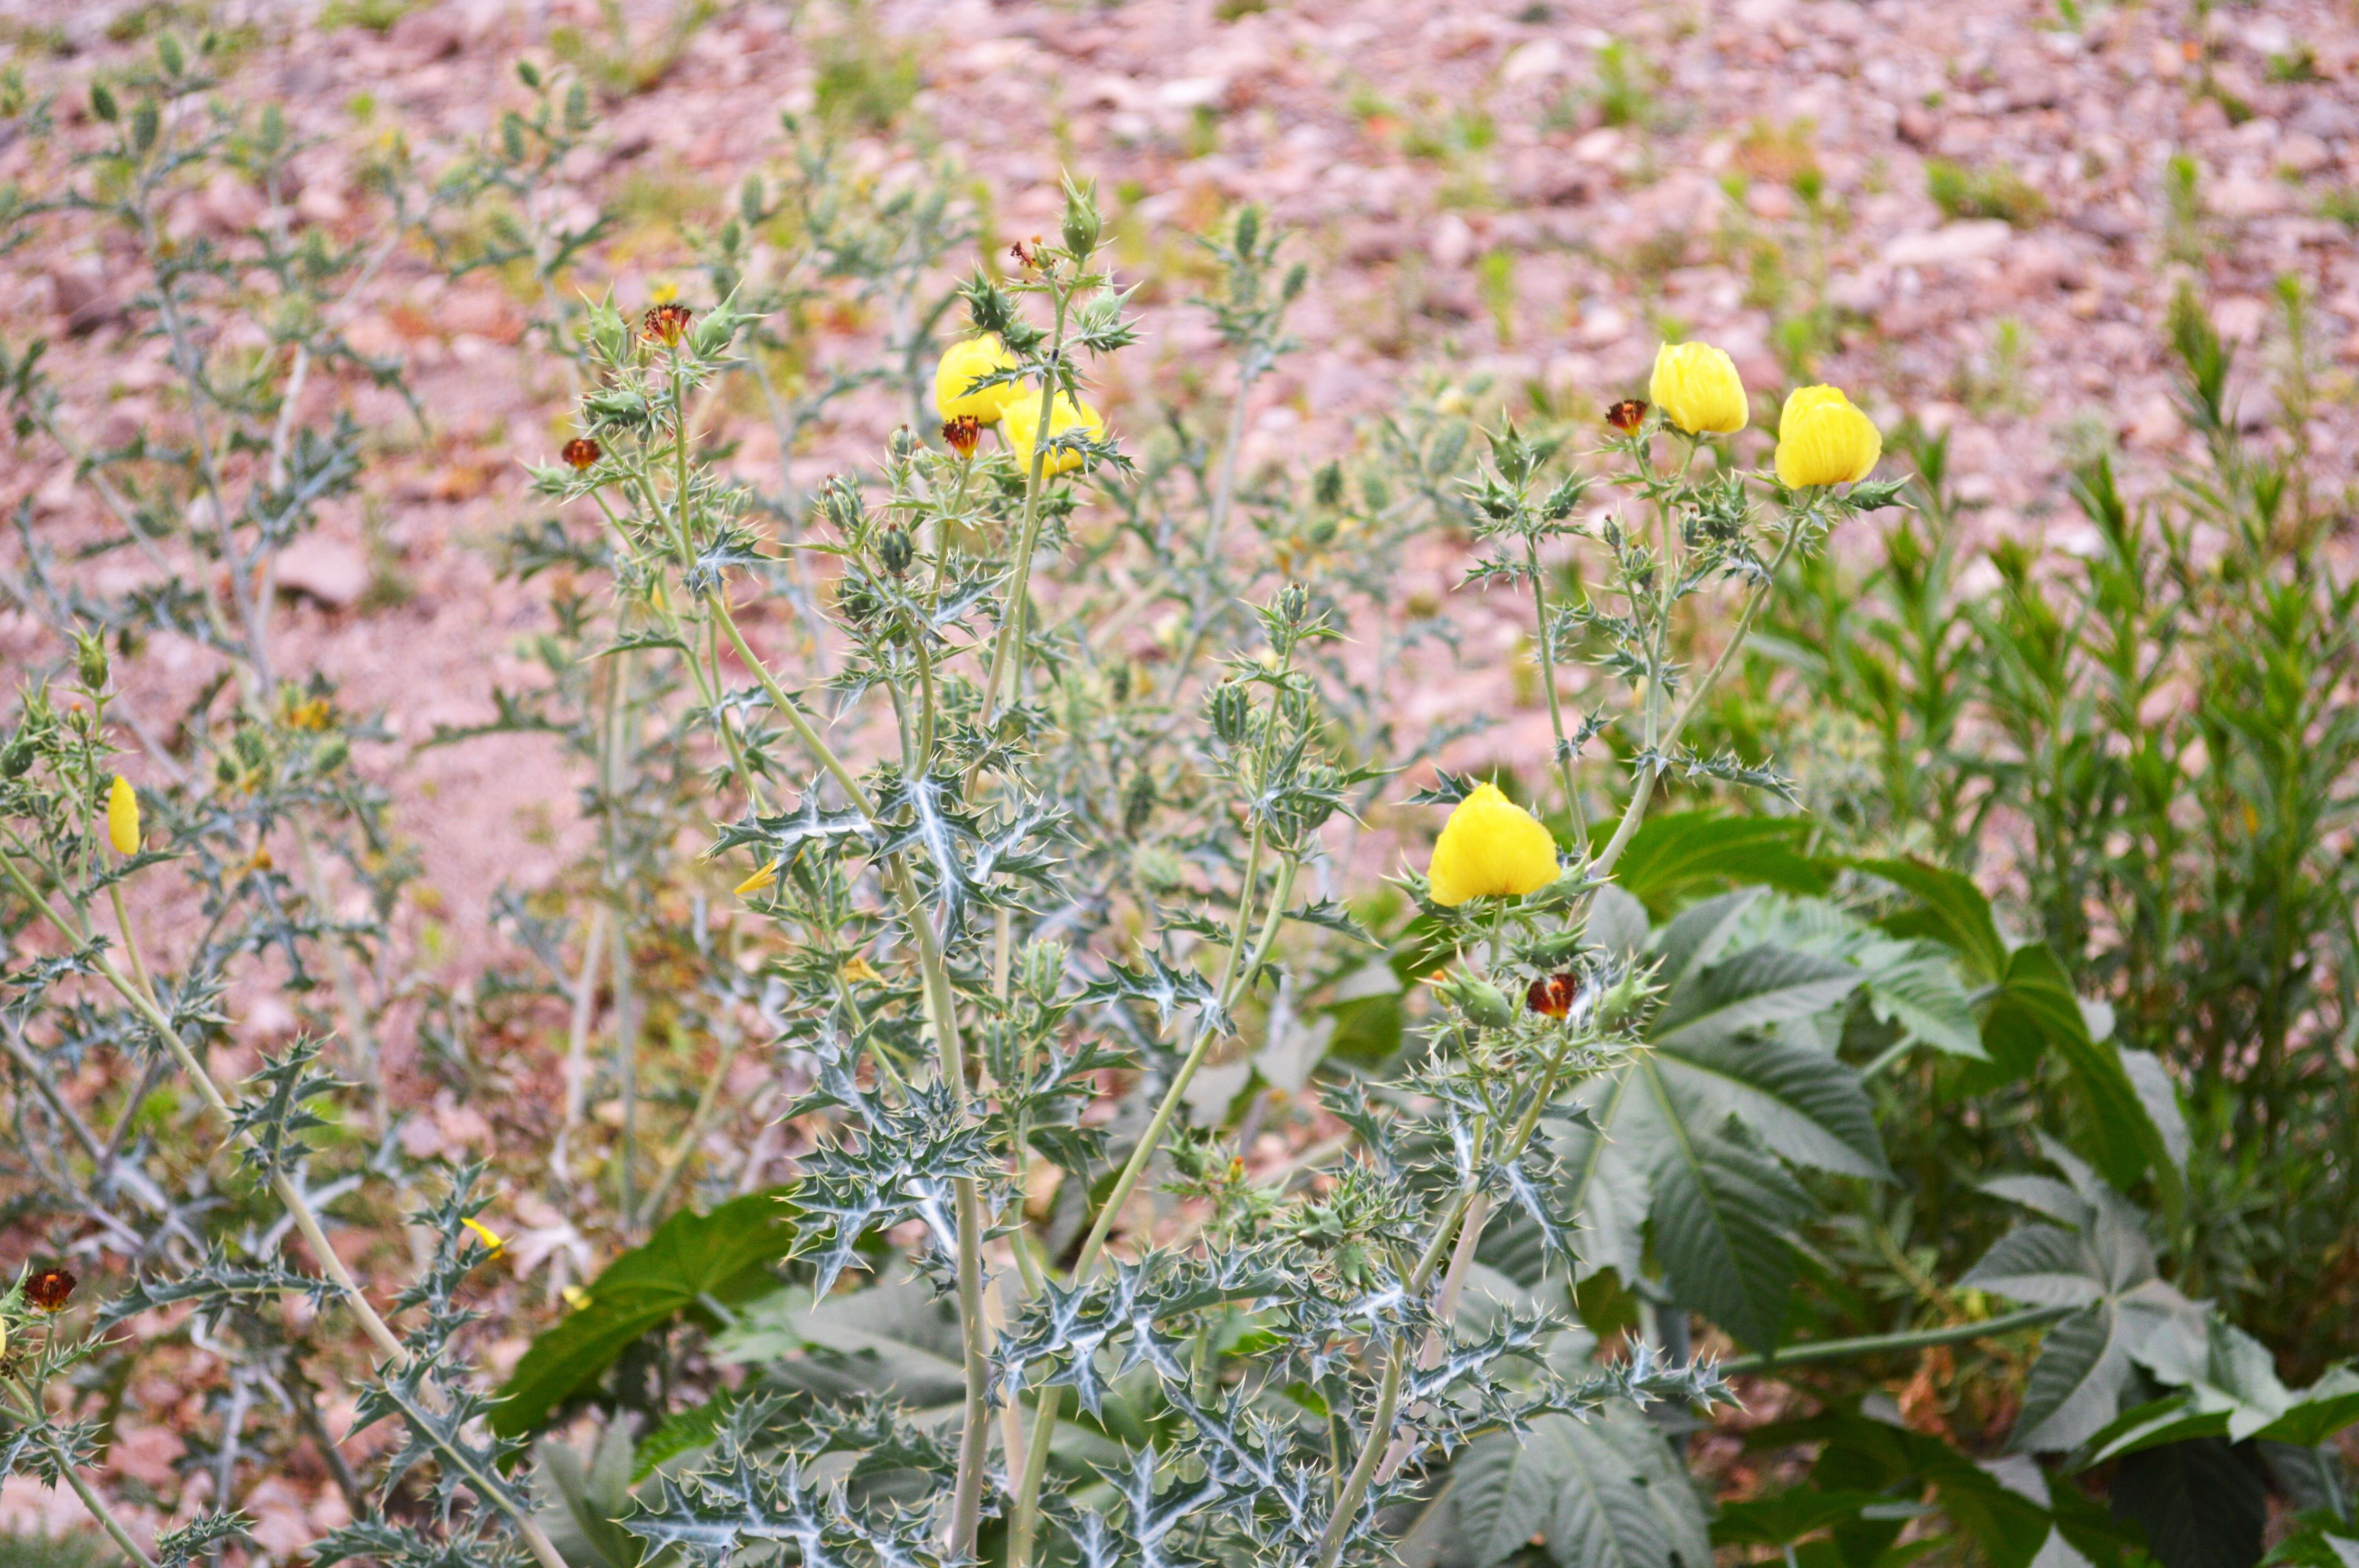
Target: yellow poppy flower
x=1023 y=424
x=122 y=816
x=961 y=363
x=1490 y=847
x=1822 y=439
x=1698 y=389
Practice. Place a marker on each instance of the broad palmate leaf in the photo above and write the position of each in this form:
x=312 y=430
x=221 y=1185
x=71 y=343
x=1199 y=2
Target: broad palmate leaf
x=1604 y=1493
x=1686 y=1130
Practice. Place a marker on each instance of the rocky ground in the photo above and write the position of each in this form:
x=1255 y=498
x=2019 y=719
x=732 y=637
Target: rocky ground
x=1530 y=192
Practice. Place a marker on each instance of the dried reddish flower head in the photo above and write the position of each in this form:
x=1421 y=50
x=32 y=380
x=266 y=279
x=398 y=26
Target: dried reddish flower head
x=1026 y=251
x=1626 y=415
x=581 y=452
x=962 y=433
x=664 y=323
x=1552 y=995
x=50 y=1289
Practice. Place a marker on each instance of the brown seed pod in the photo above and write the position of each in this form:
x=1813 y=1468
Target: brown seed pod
x=664 y=323
x=581 y=452
x=50 y=1289
x=1626 y=415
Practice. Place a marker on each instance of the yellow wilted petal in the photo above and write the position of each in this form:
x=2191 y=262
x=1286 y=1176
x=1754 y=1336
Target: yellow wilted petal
x=491 y=1239
x=961 y=364
x=1822 y=439
x=1698 y=389
x=123 y=816
x=1490 y=848
x=768 y=876
x=1023 y=424
x=858 y=967
x=576 y=1298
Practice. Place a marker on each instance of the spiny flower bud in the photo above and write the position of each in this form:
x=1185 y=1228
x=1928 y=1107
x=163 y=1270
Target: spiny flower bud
x=1138 y=803
x=90 y=660
x=1327 y=488
x=18 y=758
x=1485 y=1004
x=1043 y=968
x=579 y=453
x=1081 y=225
x=894 y=549
x=1231 y=710
x=903 y=443
x=1294 y=603
x=841 y=501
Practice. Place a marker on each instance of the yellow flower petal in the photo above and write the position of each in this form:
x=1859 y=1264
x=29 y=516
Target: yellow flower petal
x=1023 y=423
x=491 y=1239
x=576 y=1298
x=766 y=877
x=1822 y=439
x=1490 y=848
x=961 y=364
x=1698 y=389
x=123 y=816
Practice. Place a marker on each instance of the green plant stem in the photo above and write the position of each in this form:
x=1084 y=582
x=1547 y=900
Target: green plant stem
x=28 y=1411
x=1025 y=1522
x=1008 y=644
x=1886 y=1344
x=1555 y=707
x=298 y=1207
x=1636 y=812
x=1377 y=1449
x=1216 y=530
x=941 y=1008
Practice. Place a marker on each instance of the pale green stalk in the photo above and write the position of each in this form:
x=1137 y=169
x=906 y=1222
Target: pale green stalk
x=28 y=1411
x=1007 y=645
x=1555 y=707
x=1024 y=1525
x=1636 y=811
x=298 y=1207
x=1374 y=1451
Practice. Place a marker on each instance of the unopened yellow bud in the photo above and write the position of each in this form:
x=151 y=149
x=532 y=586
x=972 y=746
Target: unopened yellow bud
x=961 y=364
x=1822 y=439
x=123 y=816
x=1490 y=847
x=1023 y=425
x=491 y=1239
x=1698 y=389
